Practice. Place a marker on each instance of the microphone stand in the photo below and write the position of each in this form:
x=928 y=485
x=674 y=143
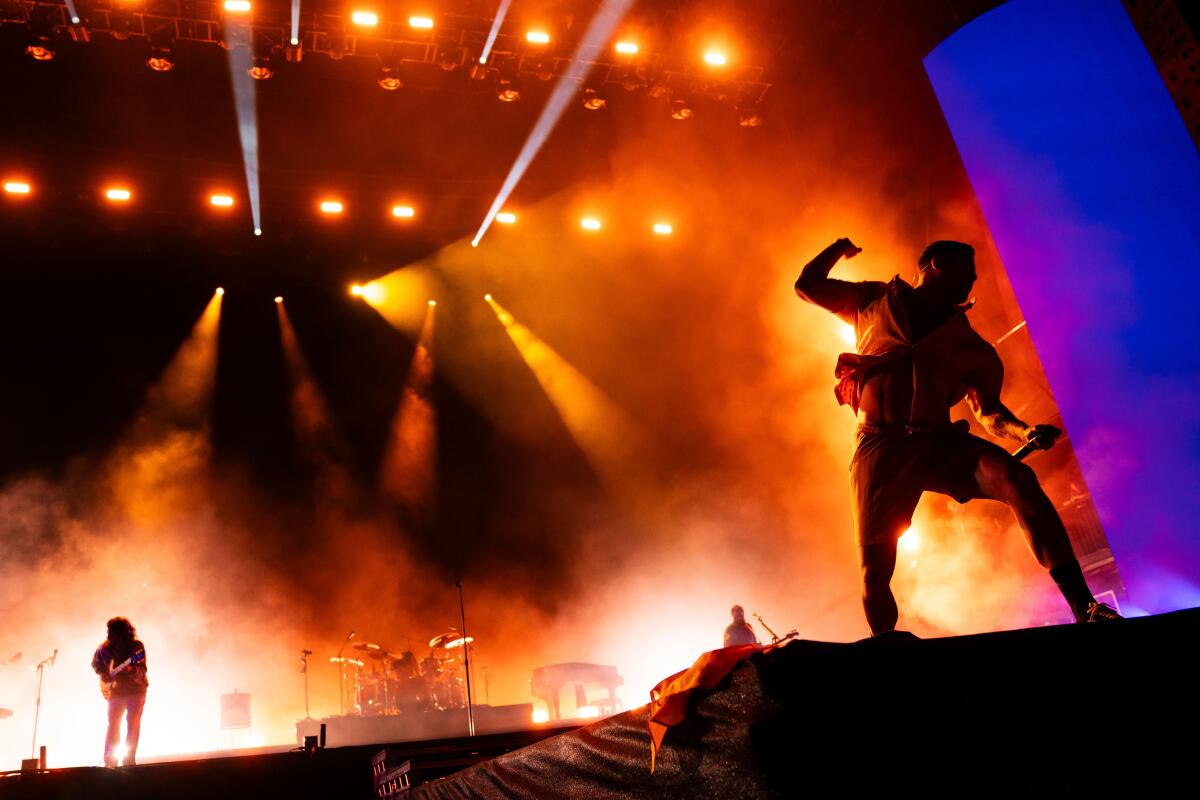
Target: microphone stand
x=767 y=628
x=341 y=675
x=304 y=654
x=462 y=610
x=37 y=705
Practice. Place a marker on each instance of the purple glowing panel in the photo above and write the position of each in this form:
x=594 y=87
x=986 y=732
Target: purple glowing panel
x=1091 y=190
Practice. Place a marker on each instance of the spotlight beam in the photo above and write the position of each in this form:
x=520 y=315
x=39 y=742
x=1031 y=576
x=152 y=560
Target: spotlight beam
x=74 y=12
x=247 y=115
x=295 y=22
x=597 y=35
x=495 y=31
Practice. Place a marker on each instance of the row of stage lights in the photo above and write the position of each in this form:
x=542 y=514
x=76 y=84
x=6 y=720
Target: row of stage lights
x=364 y=18
x=626 y=49
x=122 y=195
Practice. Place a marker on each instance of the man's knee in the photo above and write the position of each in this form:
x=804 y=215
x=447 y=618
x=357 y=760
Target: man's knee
x=1009 y=478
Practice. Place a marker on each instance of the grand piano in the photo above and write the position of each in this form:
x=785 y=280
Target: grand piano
x=548 y=682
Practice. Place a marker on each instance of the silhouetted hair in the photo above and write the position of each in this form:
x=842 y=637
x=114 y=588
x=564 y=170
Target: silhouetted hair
x=121 y=629
x=943 y=248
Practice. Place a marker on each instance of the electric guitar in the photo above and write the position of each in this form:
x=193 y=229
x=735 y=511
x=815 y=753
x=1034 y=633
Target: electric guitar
x=108 y=684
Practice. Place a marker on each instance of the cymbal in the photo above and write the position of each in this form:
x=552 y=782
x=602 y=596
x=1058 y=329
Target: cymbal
x=459 y=642
x=366 y=646
x=441 y=639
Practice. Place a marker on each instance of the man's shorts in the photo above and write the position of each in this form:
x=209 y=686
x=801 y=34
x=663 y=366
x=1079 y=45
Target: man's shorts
x=893 y=466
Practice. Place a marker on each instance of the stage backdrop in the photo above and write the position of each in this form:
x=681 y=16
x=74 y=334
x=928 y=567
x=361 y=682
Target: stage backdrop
x=1091 y=189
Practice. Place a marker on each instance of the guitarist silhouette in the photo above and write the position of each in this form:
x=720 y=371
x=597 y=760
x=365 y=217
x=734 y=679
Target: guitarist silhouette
x=121 y=664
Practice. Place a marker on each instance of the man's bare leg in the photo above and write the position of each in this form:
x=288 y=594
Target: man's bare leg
x=878 y=564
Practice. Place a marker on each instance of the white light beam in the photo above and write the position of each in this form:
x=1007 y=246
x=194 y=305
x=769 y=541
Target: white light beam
x=247 y=116
x=295 y=22
x=597 y=35
x=496 y=23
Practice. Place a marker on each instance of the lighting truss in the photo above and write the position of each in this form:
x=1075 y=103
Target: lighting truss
x=456 y=40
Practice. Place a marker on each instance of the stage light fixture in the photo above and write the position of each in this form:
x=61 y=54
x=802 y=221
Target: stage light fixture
x=540 y=716
x=161 y=41
x=260 y=67
x=681 y=109
x=367 y=19
x=278 y=300
x=450 y=58
x=118 y=194
x=403 y=212
x=593 y=100
x=748 y=115
x=331 y=207
x=237 y=6
x=389 y=79
x=221 y=200
x=220 y=291
x=626 y=48
x=506 y=218
x=356 y=290
x=41 y=39
x=487 y=297
x=537 y=37
x=17 y=187
x=258 y=231
x=421 y=23
x=160 y=60
x=506 y=91
x=432 y=303
x=590 y=224
x=715 y=58
x=663 y=228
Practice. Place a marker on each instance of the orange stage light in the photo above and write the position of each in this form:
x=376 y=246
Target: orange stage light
x=237 y=6
x=368 y=19
x=332 y=207
x=590 y=224
x=506 y=218
x=537 y=37
x=403 y=212
x=220 y=291
x=487 y=297
x=278 y=300
x=539 y=717
x=374 y=292
x=715 y=58
x=424 y=23
x=221 y=200
x=626 y=48
x=117 y=194
x=356 y=290
x=432 y=303
x=848 y=336
x=663 y=228
x=17 y=187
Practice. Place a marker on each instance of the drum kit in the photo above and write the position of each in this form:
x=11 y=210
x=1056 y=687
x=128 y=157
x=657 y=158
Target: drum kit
x=382 y=681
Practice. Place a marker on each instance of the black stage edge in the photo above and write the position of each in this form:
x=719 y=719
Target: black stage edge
x=342 y=731
x=1108 y=708
x=339 y=772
